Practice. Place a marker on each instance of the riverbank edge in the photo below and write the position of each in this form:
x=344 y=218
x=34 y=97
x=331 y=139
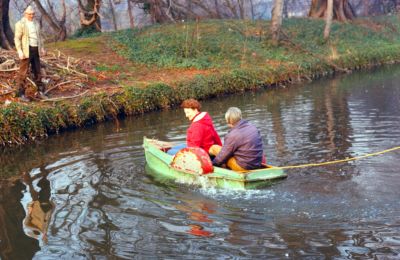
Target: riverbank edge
x=21 y=123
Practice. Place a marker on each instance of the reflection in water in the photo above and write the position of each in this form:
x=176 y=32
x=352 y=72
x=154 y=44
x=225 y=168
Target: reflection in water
x=39 y=210
x=197 y=211
x=333 y=131
x=198 y=230
x=14 y=244
x=92 y=191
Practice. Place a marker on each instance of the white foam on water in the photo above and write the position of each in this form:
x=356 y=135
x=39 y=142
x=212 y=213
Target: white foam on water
x=207 y=187
x=238 y=194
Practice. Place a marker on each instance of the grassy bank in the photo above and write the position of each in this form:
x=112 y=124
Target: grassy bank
x=202 y=60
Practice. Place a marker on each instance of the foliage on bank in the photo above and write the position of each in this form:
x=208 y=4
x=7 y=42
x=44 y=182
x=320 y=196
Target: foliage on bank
x=239 y=51
x=21 y=122
x=230 y=44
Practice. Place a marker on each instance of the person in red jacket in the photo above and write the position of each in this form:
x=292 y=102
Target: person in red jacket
x=201 y=132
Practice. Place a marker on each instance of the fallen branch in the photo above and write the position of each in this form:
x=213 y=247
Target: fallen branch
x=7 y=64
x=4 y=85
x=6 y=93
x=31 y=81
x=58 y=70
x=9 y=70
x=58 y=85
x=71 y=70
x=63 y=98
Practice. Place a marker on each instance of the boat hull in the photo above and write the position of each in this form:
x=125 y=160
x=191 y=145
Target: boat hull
x=158 y=163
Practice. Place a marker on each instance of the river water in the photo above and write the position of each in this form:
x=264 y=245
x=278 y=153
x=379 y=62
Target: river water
x=96 y=199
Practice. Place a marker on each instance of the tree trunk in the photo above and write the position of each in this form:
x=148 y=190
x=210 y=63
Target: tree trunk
x=328 y=19
x=6 y=34
x=252 y=10
x=158 y=13
x=232 y=8
x=241 y=8
x=276 y=22
x=131 y=17
x=113 y=15
x=342 y=10
x=216 y=3
x=285 y=12
x=90 y=18
x=94 y=6
x=365 y=7
x=190 y=10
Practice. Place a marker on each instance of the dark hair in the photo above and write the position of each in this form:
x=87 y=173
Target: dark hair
x=191 y=103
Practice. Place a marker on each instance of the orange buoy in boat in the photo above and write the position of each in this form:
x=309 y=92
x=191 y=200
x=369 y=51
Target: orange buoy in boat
x=194 y=160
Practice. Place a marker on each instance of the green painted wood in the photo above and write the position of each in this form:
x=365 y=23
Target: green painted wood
x=159 y=164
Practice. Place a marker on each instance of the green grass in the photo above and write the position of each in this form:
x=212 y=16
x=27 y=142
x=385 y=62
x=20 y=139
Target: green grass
x=84 y=46
x=104 y=67
x=211 y=44
x=230 y=44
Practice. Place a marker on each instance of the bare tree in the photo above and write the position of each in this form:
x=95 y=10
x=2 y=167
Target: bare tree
x=231 y=7
x=276 y=22
x=365 y=4
x=172 y=10
x=378 y=7
x=217 y=11
x=252 y=10
x=58 y=25
x=212 y=10
x=285 y=11
x=6 y=34
x=297 y=7
x=342 y=10
x=241 y=8
x=159 y=10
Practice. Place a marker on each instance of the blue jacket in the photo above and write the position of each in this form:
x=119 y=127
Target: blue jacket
x=243 y=142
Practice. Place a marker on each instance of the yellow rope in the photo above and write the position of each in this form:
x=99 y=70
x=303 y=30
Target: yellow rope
x=338 y=161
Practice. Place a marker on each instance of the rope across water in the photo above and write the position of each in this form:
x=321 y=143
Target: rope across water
x=338 y=161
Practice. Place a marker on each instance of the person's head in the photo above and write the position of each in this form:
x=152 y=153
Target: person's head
x=191 y=107
x=233 y=115
x=29 y=13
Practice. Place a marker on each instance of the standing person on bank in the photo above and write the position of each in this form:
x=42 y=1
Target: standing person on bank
x=28 y=43
x=243 y=146
x=201 y=132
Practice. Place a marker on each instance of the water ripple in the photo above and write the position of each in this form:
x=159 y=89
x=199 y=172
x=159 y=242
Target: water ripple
x=107 y=206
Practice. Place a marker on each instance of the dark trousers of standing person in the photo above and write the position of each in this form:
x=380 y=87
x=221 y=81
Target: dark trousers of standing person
x=34 y=61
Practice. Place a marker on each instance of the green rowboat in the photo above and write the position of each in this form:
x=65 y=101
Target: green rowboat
x=159 y=165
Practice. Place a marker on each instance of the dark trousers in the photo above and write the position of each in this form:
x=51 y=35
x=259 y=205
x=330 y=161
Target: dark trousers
x=34 y=61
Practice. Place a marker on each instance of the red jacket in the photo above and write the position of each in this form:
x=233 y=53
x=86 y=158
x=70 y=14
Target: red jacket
x=201 y=132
